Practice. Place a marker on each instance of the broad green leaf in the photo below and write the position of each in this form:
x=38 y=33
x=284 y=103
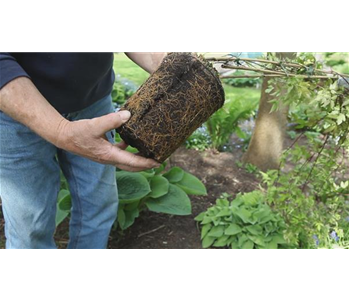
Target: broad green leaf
x=233 y=244
x=191 y=185
x=160 y=169
x=208 y=241
x=121 y=218
x=131 y=186
x=278 y=239
x=130 y=216
x=242 y=239
x=254 y=229
x=243 y=214
x=64 y=200
x=206 y=220
x=258 y=240
x=131 y=206
x=222 y=202
x=221 y=242
x=262 y=213
x=248 y=245
x=206 y=228
x=60 y=215
x=159 y=186
x=174 y=175
x=148 y=173
x=216 y=231
x=175 y=202
x=200 y=216
x=271 y=245
x=224 y=212
x=232 y=229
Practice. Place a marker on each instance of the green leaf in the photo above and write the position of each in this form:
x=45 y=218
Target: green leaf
x=191 y=185
x=175 y=202
x=243 y=214
x=248 y=245
x=64 y=200
x=216 y=231
x=160 y=169
x=258 y=240
x=148 y=173
x=121 y=218
x=206 y=220
x=131 y=186
x=222 y=241
x=224 y=212
x=60 y=215
x=208 y=241
x=254 y=229
x=233 y=229
x=340 y=119
x=279 y=239
x=222 y=202
x=205 y=229
x=159 y=186
x=174 y=175
x=131 y=206
x=242 y=239
x=200 y=217
x=130 y=216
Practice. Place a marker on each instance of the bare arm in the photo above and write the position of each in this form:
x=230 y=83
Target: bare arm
x=148 y=61
x=21 y=100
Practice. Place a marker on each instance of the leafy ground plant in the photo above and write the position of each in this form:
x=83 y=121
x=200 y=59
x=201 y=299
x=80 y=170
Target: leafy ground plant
x=225 y=121
x=156 y=190
x=247 y=222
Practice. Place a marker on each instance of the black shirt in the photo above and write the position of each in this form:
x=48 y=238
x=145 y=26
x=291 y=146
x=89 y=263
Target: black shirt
x=69 y=81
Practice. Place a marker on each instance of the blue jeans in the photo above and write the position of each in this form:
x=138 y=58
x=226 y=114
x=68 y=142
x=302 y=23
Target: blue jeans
x=30 y=181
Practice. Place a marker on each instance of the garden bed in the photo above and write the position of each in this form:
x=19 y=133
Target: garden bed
x=219 y=173
x=217 y=170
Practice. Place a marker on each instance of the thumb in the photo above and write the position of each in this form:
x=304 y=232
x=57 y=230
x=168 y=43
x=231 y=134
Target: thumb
x=110 y=121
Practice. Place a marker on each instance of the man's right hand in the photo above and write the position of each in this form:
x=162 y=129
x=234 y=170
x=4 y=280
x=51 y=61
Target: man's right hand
x=22 y=101
x=87 y=138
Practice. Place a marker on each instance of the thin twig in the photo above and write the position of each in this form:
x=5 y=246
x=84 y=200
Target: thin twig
x=277 y=63
x=249 y=76
x=313 y=166
x=281 y=74
x=151 y=231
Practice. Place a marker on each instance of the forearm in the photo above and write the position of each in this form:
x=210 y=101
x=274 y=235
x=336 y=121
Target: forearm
x=149 y=61
x=21 y=100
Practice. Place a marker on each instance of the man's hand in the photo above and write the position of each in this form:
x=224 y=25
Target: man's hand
x=21 y=100
x=87 y=138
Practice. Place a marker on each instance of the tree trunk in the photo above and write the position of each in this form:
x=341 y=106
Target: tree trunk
x=266 y=143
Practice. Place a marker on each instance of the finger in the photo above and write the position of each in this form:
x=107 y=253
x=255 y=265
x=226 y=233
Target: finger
x=122 y=145
x=109 y=122
x=130 y=160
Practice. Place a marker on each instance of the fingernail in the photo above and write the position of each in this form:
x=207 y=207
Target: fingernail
x=124 y=115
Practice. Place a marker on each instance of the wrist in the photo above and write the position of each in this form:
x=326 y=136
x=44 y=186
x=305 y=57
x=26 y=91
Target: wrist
x=60 y=137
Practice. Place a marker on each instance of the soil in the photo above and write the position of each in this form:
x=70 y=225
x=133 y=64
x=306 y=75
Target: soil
x=218 y=171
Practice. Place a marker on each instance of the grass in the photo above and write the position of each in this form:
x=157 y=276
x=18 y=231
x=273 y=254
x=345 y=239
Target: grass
x=248 y=94
x=128 y=69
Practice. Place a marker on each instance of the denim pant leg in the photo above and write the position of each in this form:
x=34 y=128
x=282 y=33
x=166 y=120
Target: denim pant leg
x=93 y=189
x=29 y=184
